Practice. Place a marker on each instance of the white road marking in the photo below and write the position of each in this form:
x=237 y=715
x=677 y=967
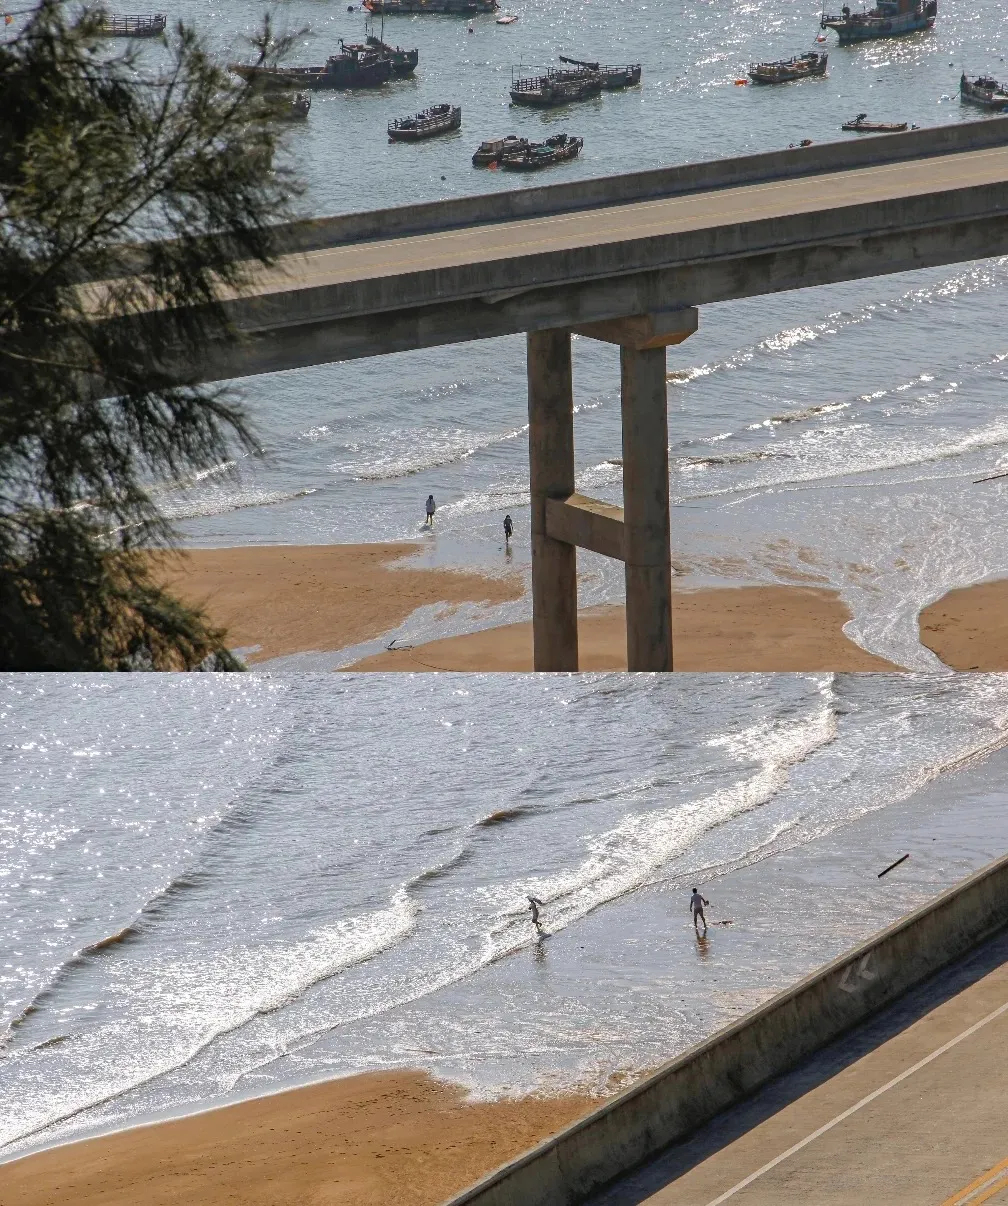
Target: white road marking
x=858 y=1105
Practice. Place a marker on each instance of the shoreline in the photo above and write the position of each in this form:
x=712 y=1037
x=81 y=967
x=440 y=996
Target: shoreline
x=376 y=1137
x=292 y=599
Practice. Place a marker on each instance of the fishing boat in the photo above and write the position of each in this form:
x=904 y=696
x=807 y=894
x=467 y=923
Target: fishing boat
x=151 y=25
x=889 y=19
x=555 y=87
x=861 y=125
x=536 y=155
x=404 y=62
x=452 y=8
x=507 y=18
x=983 y=91
x=495 y=149
x=354 y=67
x=785 y=71
x=614 y=77
x=438 y=119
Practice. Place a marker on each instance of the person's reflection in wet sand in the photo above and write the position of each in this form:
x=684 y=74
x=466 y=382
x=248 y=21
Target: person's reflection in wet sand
x=703 y=946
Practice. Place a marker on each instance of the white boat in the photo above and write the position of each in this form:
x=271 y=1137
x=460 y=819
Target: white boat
x=507 y=18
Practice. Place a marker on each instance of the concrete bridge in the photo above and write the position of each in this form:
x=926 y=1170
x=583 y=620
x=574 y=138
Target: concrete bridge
x=627 y=260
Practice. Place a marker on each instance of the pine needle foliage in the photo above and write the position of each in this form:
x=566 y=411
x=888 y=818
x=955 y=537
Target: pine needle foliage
x=135 y=185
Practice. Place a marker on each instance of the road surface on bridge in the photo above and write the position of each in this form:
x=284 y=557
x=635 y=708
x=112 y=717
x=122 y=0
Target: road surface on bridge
x=910 y=1108
x=632 y=221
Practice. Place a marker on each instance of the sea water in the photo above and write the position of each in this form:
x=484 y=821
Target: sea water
x=216 y=888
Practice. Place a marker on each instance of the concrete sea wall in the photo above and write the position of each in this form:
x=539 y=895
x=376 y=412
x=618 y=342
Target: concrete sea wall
x=685 y=1093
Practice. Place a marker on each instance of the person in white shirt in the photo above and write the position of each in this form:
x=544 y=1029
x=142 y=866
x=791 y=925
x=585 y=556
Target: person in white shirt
x=697 y=903
x=431 y=508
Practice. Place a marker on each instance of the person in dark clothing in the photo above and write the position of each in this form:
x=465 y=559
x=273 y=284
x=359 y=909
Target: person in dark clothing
x=508 y=528
x=431 y=508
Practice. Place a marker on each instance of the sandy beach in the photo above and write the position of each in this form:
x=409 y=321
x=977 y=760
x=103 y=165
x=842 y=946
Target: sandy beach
x=382 y=1138
x=968 y=628
x=744 y=628
x=292 y=599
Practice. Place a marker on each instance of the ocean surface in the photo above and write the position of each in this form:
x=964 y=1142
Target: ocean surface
x=829 y=435
x=217 y=887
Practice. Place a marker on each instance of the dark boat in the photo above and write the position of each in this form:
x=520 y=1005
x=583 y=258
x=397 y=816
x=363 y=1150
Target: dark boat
x=404 y=62
x=556 y=87
x=438 y=119
x=785 y=71
x=353 y=67
x=889 y=19
x=614 y=77
x=557 y=149
x=452 y=8
x=143 y=26
x=495 y=149
x=983 y=91
x=862 y=125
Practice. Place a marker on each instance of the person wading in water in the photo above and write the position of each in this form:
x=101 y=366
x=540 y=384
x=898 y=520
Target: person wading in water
x=431 y=508
x=697 y=903
x=508 y=528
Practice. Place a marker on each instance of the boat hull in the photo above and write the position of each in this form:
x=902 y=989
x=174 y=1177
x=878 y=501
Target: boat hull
x=450 y=8
x=851 y=32
x=423 y=127
x=318 y=79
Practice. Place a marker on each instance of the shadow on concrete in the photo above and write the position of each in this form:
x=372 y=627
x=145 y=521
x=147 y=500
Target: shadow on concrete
x=638 y=1186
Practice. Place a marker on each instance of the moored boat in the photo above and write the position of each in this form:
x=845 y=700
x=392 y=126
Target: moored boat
x=555 y=87
x=451 y=8
x=889 y=19
x=536 y=155
x=984 y=91
x=149 y=25
x=862 y=125
x=404 y=62
x=785 y=71
x=438 y=119
x=353 y=67
x=507 y=18
x=493 y=150
x=614 y=76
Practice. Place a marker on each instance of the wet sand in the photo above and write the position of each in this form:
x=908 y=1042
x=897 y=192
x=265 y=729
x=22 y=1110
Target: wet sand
x=745 y=628
x=299 y=598
x=968 y=628
x=388 y=1137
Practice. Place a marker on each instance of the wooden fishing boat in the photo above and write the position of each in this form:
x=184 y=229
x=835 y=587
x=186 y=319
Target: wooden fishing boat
x=889 y=19
x=861 y=125
x=984 y=91
x=495 y=149
x=354 y=67
x=149 y=25
x=404 y=62
x=785 y=71
x=438 y=119
x=558 y=149
x=555 y=87
x=451 y=8
x=300 y=107
x=614 y=77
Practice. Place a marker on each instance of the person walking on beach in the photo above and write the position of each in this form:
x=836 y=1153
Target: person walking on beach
x=508 y=528
x=431 y=508
x=697 y=903
x=534 y=907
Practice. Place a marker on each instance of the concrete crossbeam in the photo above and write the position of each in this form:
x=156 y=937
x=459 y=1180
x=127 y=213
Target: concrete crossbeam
x=587 y=523
x=643 y=331
x=551 y=475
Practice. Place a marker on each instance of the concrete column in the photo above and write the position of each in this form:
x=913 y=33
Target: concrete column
x=646 y=536
x=551 y=475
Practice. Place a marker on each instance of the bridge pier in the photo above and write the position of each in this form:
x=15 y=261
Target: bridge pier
x=638 y=533
x=647 y=550
x=551 y=475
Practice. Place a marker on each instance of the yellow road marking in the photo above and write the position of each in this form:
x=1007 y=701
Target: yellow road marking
x=983 y=1187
